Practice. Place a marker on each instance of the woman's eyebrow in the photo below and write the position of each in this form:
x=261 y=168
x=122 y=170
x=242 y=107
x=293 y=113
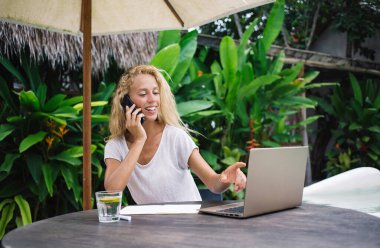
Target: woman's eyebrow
x=145 y=89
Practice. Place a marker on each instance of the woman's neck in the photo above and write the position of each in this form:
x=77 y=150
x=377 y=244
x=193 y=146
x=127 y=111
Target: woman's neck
x=152 y=128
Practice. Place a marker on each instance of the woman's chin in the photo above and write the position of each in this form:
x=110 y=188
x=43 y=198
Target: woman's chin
x=150 y=118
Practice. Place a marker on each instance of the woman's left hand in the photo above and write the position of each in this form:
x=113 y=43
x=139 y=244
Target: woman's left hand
x=234 y=175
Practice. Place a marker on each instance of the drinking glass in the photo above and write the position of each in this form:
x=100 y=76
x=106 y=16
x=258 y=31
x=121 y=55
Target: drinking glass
x=109 y=204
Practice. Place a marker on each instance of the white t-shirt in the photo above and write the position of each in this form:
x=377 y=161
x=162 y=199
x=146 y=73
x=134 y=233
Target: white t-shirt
x=166 y=178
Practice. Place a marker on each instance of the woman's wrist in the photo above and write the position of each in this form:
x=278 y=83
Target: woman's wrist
x=222 y=185
x=140 y=141
x=137 y=145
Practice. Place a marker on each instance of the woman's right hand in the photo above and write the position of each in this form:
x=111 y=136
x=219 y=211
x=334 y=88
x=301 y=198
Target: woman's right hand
x=133 y=123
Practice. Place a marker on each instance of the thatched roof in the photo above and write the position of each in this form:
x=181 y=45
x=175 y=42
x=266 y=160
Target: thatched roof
x=66 y=50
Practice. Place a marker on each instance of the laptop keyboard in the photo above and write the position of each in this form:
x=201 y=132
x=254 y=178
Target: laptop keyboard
x=235 y=210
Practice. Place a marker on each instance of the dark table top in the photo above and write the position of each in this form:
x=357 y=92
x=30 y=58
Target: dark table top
x=305 y=226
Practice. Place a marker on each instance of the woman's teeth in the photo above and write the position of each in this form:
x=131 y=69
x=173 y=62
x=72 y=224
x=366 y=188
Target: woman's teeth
x=151 y=109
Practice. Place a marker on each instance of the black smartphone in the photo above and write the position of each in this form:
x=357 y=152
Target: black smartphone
x=126 y=101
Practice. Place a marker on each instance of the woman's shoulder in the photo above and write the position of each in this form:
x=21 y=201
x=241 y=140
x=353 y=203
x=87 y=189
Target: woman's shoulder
x=115 y=141
x=176 y=133
x=174 y=130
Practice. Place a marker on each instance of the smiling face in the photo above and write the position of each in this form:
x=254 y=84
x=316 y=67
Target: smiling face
x=149 y=90
x=145 y=93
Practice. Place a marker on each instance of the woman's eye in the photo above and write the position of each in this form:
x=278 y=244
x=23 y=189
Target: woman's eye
x=156 y=93
x=142 y=95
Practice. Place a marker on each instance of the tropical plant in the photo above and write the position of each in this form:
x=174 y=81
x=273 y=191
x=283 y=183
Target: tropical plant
x=355 y=126
x=245 y=96
x=40 y=141
x=256 y=95
x=306 y=20
x=174 y=56
x=8 y=209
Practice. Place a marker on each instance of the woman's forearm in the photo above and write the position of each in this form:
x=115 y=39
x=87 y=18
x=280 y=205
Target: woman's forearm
x=119 y=178
x=218 y=186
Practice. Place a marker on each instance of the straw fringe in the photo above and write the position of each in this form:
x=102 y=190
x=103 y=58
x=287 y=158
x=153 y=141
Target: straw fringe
x=66 y=50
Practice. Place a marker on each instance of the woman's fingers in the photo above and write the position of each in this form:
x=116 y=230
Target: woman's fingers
x=239 y=165
x=230 y=172
x=133 y=115
x=241 y=181
x=234 y=175
x=139 y=117
x=128 y=111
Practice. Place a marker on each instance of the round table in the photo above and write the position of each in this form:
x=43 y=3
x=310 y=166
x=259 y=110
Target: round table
x=304 y=226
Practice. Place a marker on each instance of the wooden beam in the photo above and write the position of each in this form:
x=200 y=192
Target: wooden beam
x=343 y=67
x=309 y=58
x=326 y=61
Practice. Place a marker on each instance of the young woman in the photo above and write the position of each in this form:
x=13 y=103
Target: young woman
x=153 y=158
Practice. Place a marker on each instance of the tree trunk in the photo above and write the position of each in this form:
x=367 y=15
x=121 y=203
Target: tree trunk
x=285 y=35
x=348 y=48
x=315 y=19
x=238 y=25
x=318 y=152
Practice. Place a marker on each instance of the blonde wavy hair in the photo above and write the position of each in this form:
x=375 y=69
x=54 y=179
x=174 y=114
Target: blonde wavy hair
x=167 y=112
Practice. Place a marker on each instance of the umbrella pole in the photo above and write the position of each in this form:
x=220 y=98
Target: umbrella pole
x=86 y=29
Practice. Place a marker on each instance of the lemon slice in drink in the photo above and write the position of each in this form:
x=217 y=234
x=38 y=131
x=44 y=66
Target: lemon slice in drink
x=110 y=200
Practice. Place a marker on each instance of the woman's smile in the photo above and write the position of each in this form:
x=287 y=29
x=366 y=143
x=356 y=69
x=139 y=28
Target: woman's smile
x=150 y=110
x=145 y=94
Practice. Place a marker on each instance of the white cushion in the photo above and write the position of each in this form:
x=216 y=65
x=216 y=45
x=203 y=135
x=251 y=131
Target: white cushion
x=357 y=189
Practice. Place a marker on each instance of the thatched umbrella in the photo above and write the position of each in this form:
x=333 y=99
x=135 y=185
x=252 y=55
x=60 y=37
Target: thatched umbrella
x=66 y=50
x=104 y=17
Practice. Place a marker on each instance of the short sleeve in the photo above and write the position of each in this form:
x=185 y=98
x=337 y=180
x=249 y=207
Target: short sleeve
x=185 y=146
x=113 y=150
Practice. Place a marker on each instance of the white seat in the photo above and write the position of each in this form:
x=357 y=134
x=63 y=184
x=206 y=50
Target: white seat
x=357 y=189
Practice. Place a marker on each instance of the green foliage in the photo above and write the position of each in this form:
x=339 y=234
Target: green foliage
x=338 y=163
x=185 y=89
x=41 y=147
x=306 y=20
x=227 y=25
x=9 y=211
x=356 y=131
x=241 y=96
x=275 y=22
x=167 y=58
x=167 y=38
x=257 y=97
x=358 y=19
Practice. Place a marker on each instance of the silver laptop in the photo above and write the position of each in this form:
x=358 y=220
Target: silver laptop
x=275 y=182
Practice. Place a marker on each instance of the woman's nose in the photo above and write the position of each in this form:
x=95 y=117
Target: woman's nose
x=150 y=97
